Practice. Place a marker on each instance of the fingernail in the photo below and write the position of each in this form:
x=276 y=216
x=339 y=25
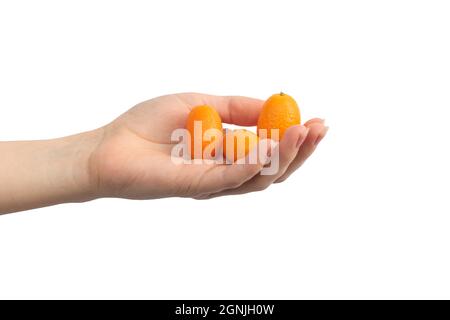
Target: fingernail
x=271 y=146
x=321 y=136
x=303 y=135
x=263 y=156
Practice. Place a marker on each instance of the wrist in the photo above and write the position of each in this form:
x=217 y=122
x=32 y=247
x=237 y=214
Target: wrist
x=81 y=175
x=47 y=172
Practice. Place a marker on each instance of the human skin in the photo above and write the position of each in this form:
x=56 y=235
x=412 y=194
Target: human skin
x=131 y=158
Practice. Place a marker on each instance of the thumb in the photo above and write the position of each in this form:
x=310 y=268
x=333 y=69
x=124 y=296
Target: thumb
x=231 y=176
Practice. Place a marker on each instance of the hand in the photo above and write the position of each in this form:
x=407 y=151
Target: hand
x=133 y=158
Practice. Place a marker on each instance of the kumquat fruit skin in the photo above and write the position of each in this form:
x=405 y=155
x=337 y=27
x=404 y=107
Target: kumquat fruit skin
x=280 y=112
x=238 y=143
x=199 y=121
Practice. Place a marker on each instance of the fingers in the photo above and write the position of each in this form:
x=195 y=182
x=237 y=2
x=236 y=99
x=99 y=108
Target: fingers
x=317 y=131
x=243 y=111
x=314 y=120
x=286 y=150
x=218 y=177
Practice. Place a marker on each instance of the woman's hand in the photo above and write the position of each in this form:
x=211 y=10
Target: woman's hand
x=133 y=159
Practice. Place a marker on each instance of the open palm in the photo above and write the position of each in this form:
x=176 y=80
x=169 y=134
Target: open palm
x=133 y=159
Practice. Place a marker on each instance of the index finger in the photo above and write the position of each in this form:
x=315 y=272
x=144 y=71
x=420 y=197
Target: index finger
x=242 y=111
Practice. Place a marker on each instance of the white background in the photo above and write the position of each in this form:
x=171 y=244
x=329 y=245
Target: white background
x=366 y=217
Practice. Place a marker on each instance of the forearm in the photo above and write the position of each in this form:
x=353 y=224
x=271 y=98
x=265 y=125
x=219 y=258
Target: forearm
x=42 y=173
